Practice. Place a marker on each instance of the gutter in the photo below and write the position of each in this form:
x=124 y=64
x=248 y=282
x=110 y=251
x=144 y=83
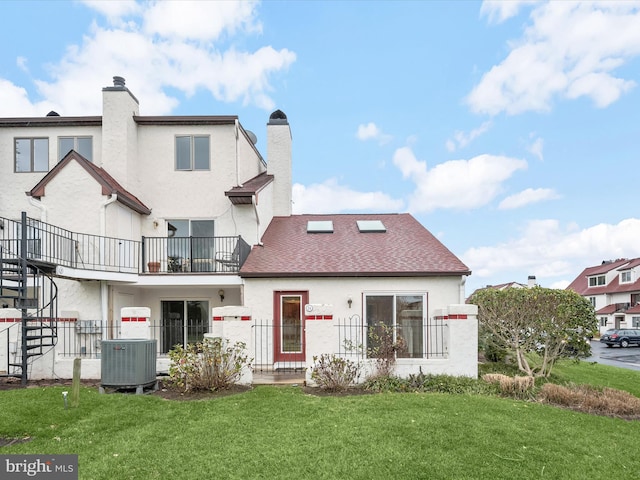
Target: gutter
x=104 y=288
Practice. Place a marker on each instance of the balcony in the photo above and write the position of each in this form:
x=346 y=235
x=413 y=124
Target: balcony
x=193 y=254
x=55 y=246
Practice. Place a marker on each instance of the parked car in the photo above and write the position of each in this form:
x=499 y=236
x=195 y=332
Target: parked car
x=622 y=337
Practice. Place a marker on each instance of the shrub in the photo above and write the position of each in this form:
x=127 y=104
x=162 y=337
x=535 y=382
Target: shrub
x=498 y=367
x=385 y=383
x=383 y=348
x=589 y=399
x=213 y=364
x=429 y=383
x=334 y=373
x=516 y=387
x=447 y=384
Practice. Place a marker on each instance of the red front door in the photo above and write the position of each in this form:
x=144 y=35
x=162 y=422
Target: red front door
x=288 y=320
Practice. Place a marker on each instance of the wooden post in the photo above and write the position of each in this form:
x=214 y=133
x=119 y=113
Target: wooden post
x=75 y=385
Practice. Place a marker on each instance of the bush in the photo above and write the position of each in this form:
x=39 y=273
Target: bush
x=383 y=348
x=510 y=369
x=385 y=383
x=589 y=399
x=213 y=364
x=429 y=383
x=516 y=387
x=334 y=373
x=447 y=384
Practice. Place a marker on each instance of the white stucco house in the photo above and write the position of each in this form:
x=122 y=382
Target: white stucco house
x=173 y=227
x=613 y=288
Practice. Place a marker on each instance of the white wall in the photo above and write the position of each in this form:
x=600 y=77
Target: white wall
x=441 y=291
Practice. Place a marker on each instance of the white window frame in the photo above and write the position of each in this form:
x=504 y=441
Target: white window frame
x=625 y=276
x=597 y=281
x=192 y=154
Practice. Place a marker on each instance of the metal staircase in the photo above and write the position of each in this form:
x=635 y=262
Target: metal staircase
x=26 y=284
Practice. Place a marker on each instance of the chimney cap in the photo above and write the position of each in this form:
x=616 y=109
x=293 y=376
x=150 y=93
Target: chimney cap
x=278 y=118
x=118 y=81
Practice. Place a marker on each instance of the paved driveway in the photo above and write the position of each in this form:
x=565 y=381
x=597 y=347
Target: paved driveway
x=615 y=356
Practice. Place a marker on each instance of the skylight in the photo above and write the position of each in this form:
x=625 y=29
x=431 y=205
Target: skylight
x=366 y=226
x=320 y=226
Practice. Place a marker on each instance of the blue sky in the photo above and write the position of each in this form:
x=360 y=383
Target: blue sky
x=509 y=129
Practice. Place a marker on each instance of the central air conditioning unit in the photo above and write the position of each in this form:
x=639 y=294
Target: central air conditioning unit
x=128 y=363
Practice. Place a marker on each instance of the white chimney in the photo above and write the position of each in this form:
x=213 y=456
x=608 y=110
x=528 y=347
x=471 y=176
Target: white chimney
x=532 y=281
x=279 y=162
x=119 y=133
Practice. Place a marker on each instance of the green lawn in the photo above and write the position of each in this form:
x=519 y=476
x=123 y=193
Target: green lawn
x=280 y=432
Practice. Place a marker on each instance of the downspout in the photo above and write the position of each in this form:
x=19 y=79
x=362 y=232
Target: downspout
x=255 y=209
x=104 y=288
x=463 y=280
x=103 y=213
x=40 y=206
x=237 y=166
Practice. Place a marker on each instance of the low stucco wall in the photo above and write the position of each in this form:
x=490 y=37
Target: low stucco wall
x=461 y=358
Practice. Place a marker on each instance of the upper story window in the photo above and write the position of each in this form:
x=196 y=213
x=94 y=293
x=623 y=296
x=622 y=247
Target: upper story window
x=82 y=145
x=597 y=281
x=192 y=152
x=625 y=277
x=32 y=154
x=592 y=300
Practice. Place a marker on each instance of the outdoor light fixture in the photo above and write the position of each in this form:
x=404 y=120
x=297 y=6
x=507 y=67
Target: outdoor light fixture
x=349 y=301
x=221 y=293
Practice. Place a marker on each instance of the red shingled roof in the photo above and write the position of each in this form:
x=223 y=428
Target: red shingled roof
x=242 y=194
x=608 y=310
x=109 y=184
x=405 y=249
x=581 y=283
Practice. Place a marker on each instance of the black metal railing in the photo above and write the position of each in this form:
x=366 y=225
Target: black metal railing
x=193 y=254
x=80 y=338
x=171 y=332
x=9 y=348
x=55 y=245
x=417 y=339
x=58 y=246
x=267 y=359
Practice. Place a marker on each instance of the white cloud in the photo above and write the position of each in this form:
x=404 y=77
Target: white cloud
x=528 y=196
x=498 y=11
x=113 y=9
x=461 y=139
x=15 y=101
x=536 y=148
x=546 y=249
x=570 y=49
x=331 y=197
x=368 y=131
x=200 y=20
x=175 y=55
x=371 y=131
x=456 y=184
